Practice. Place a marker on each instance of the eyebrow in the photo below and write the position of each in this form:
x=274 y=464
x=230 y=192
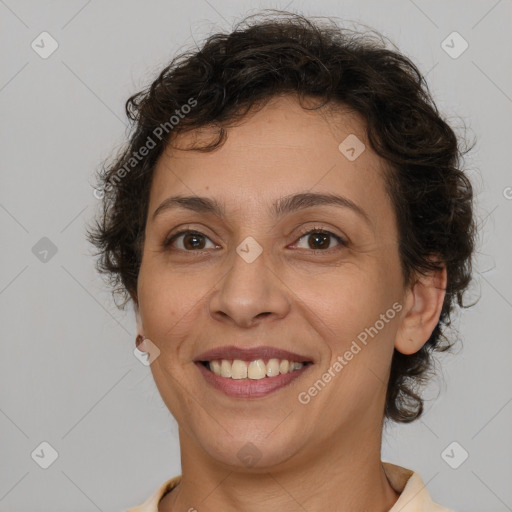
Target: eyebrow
x=283 y=206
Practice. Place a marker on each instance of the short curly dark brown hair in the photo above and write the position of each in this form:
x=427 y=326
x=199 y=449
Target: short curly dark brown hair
x=281 y=53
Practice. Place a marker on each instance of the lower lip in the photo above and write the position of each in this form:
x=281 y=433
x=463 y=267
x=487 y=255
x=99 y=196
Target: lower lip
x=249 y=388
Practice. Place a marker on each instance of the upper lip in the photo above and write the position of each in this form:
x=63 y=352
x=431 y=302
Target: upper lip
x=250 y=354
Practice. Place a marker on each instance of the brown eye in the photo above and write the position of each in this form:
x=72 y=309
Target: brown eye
x=188 y=241
x=320 y=240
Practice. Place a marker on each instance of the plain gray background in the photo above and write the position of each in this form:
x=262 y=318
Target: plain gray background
x=68 y=375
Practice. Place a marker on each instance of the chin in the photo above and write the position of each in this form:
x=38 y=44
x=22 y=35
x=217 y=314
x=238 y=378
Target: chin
x=252 y=451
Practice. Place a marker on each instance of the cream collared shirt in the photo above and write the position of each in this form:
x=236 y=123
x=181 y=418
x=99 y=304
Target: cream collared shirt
x=414 y=496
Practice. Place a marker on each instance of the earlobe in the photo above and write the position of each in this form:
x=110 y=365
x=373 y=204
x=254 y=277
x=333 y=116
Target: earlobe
x=424 y=303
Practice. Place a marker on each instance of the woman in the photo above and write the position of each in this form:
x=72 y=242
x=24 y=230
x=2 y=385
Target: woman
x=291 y=223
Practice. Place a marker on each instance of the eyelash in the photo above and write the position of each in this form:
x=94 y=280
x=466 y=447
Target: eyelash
x=342 y=243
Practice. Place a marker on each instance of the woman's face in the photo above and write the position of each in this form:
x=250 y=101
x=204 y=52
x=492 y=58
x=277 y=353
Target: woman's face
x=252 y=278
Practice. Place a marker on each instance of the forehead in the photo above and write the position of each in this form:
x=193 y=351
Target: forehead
x=279 y=150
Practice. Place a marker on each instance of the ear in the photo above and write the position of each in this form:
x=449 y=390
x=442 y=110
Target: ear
x=423 y=305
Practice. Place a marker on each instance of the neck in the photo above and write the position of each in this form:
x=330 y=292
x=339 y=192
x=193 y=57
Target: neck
x=347 y=477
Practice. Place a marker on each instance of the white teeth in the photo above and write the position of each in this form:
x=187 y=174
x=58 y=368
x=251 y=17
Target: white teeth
x=284 y=366
x=239 y=369
x=255 y=370
x=215 y=367
x=273 y=368
x=225 y=368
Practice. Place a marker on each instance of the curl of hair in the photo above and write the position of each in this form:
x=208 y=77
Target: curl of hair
x=286 y=53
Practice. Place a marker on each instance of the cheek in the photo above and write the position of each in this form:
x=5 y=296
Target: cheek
x=169 y=304
x=344 y=300
x=361 y=321
x=353 y=312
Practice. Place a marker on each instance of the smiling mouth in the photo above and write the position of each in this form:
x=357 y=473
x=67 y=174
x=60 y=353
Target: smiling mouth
x=237 y=369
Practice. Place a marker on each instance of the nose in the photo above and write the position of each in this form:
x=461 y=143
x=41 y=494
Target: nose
x=250 y=292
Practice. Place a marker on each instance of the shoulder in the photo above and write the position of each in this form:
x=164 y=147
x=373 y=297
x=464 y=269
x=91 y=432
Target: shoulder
x=151 y=504
x=414 y=495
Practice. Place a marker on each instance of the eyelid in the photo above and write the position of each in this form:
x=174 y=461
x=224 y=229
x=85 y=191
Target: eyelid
x=169 y=239
x=342 y=241
x=322 y=229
